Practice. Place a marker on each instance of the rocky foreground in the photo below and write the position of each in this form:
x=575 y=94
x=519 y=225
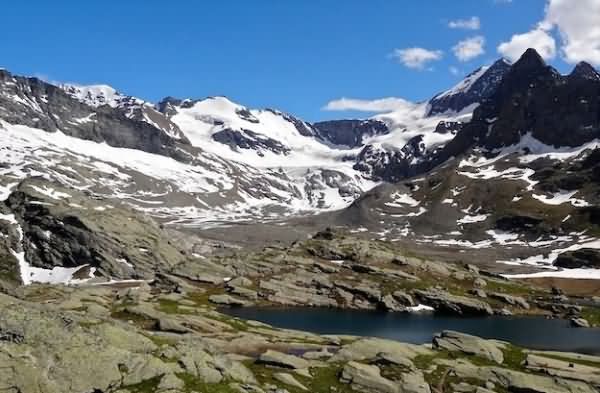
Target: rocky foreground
x=93 y=339
x=142 y=311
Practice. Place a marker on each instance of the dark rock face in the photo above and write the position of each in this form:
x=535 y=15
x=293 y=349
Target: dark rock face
x=480 y=90
x=392 y=165
x=167 y=106
x=535 y=98
x=584 y=71
x=303 y=128
x=350 y=132
x=247 y=115
x=445 y=127
x=518 y=223
x=35 y=103
x=118 y=243
x=530 y=97
x=246 y=139
x=584 y=258
x=381 y=164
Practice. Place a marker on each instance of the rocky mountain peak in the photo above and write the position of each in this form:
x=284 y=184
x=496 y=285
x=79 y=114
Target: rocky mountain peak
x=167 y=105
x=585 y=70
x=475 y=88
x=95 y=95
x=530 y=60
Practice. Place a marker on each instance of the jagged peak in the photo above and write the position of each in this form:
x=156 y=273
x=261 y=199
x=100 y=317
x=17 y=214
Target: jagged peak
x=585 y=70
x=531 y=59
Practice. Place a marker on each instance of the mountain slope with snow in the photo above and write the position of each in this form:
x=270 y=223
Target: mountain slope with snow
x=518 y=184
x=503 y=163
x=205 y=161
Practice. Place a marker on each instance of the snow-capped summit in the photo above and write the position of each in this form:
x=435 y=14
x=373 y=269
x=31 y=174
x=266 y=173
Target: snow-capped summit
x=134 y=108
x=94 y=95
x=473 y=89
x=260 y=137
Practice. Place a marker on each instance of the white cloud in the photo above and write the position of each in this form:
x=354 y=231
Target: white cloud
x=472 y=23
x=539 y=39
x=416 y=58
x=380 y=105
x=469 y=48
x=579 y=27
x=454 y=71
x=578 y=24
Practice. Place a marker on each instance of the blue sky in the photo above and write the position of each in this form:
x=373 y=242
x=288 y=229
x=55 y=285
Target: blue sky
x=292 y=55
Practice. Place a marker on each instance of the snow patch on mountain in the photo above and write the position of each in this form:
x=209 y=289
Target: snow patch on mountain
x=202 y=120
x=95 y=95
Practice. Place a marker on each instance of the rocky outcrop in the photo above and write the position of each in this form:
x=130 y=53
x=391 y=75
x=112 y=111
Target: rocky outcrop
x=363 y=377
x=583 y=258
x=227 y=300
x=288 y=379
x=470 y=345
x=64 y=228
x=519 y=381
x=563 y=369
x=478 y=87
x=445 y=302
x=349 y=132
x=580 y=322
x=510 y=299
x=282 y=360
x=246 y=139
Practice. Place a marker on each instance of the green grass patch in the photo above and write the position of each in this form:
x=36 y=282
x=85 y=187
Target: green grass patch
x=592 y=315
x=148 y=386
x=169 y=307
x=138 y=320
x=514 y=357
x=194 y=384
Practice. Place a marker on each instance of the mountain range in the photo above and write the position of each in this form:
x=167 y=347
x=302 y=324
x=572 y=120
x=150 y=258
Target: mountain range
x=504 y=160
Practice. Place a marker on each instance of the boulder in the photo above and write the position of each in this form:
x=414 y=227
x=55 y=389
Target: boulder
x=363 y=377
x=443 y=301
x=200 y=364
x=414 y=382
x=239 y=282
x=366 y=289
x=244 y=292
x=170 y=382
x=470 y=345
x=397 y=359
x=389 y=303
x=283 y=360
x=370 y=348
x=403 y=298
x=583 y=258
x=510 y=299
x=563 y=369
x=580 y=323
x=515 y=381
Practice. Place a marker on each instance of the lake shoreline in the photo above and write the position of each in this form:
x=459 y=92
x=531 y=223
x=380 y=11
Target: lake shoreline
x=418 y=328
